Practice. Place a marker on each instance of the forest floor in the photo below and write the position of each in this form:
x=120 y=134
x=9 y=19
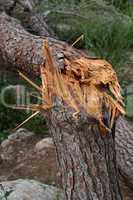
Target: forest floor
x=28 y=163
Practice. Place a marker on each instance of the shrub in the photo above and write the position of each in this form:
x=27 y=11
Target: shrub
x=109 y=41
x=125 y=6
x=10 y=118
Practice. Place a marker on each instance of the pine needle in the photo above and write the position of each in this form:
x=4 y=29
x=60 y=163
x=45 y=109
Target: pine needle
x=30 y=81
x=78 y=39
x=25 y=121
x=33 y=107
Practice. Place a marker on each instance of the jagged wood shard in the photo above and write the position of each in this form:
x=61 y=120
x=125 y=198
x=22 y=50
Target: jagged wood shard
x=85 y=84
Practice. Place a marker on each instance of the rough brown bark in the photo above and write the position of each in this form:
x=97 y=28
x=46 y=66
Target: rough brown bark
x=124 y=148
x=32 y=21
x=86 y=158
x=37 y=25
x=24 y=51
x=9 y=5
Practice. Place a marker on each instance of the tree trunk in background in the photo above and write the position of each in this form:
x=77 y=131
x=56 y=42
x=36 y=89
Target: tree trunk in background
x=9 y=5
x=22 y=50
x=124 y=149
x=86 y=158
x=36 y=24
x=25 y=51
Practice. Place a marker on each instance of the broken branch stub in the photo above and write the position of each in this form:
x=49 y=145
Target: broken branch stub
x=86 y=85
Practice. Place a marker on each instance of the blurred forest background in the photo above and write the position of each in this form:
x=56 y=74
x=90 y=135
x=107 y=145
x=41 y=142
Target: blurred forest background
x=107 y=26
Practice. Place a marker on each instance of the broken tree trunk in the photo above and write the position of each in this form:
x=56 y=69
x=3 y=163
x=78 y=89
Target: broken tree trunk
x=86 y=158
x=76 y=113
x=24 y=51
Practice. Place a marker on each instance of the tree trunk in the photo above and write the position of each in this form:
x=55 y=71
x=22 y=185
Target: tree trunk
x=9 y=5
x=124 y=149
x=22 y=50
x=36 y=24
x=86 y=158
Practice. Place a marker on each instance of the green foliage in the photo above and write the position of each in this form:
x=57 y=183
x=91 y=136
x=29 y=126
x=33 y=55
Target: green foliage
x=3 y=136
x=125 y=6
x=10 y=118
x=108 y=33
x=109 y=41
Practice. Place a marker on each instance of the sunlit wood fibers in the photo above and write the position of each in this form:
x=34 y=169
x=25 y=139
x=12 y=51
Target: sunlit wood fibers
x=79 y=85
x=84 y=85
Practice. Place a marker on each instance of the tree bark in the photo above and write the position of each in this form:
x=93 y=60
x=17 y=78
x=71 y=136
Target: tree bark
x=37 y=25
x=86 y=158
x=9 y=5
x=22 y=50
x=124 y=149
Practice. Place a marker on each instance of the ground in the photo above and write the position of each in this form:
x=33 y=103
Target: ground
x=31 y=164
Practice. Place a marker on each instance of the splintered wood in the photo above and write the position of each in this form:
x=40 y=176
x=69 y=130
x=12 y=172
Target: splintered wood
x=85 y=85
